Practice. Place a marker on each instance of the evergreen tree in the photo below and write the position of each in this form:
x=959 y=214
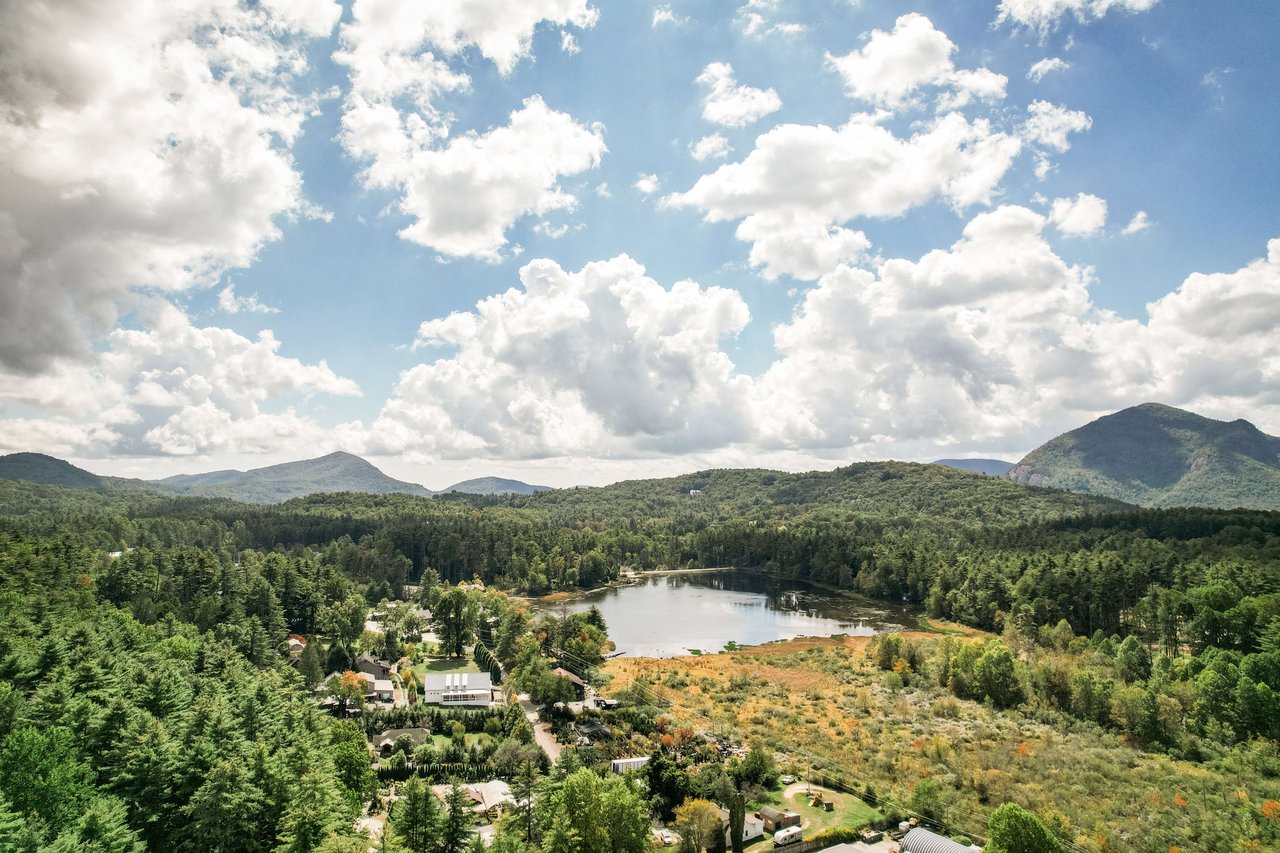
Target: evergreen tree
x=315 y=811
x=41 y=774
x=416 y=819
x=225 y=811
x=103 y=828
x=458 y=820
x=311 y=663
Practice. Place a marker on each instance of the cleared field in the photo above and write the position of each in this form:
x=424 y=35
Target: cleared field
x=826 y=709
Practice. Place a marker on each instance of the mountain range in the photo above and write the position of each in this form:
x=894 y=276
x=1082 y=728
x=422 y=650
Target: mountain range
x=1159 y=456
x=335 y=472
x=1149 y=455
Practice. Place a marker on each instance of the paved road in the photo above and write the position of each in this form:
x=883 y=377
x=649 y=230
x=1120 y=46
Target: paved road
x=541 y=732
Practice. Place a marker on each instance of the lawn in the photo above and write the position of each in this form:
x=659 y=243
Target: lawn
x=471 y=739
x=443 y=666
x=849 y=811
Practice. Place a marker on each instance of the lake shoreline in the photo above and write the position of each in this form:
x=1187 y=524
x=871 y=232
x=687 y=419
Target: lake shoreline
x=735 y=608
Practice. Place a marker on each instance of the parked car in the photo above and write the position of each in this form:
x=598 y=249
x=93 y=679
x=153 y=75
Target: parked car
x=790 y=835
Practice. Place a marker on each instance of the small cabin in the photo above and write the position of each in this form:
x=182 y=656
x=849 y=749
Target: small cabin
x=775 y=820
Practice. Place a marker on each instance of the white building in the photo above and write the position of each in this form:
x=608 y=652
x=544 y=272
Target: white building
x=459 y=688
x=622 y=765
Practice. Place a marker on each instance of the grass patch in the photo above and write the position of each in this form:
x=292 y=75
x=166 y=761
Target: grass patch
x=470 y=739
x=849 y=812
x=443 y=666
x=930 y=627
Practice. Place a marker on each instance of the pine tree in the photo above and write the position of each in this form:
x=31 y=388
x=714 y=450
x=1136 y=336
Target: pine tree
x=315 y=810
x=225 y=810
x=458 y=820
x=103 y=828
x=416 y=819
x=311 y=663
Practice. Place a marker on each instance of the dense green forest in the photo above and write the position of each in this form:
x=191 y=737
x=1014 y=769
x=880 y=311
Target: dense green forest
x=144 y=696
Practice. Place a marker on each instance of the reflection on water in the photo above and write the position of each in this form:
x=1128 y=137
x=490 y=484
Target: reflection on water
x=671 y=614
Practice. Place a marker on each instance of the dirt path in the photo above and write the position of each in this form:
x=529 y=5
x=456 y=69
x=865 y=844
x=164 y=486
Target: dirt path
x=541 y=732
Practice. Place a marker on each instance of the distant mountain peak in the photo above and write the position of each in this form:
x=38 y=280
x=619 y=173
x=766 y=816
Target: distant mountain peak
x=338 y=471
x=50 y=470
x=494 y=486
x=1157 y=455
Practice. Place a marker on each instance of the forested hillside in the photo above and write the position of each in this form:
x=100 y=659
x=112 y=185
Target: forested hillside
x=143 y=688
x=1157 y=455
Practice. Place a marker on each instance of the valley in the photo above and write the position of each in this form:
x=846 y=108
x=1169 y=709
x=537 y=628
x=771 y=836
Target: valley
x=918 y=641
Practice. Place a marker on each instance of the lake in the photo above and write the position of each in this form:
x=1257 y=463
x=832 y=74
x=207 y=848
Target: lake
x=668 y=615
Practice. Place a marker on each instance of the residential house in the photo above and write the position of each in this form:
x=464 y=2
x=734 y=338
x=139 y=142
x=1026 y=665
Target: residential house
x=579 y=686
x=487 y=798
x=752 y=827
x=458 y=689
x=383 y=690
x=386 y=742
x=377 y=668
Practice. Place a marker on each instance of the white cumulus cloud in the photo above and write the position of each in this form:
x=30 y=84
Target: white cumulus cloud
x=1050 y=125
x=463 y=191
x=804 y=179
x=647 y=184
x=893 y=66
x=1046 y=66
x=465 y=195
x=597 y=361
x=730 y=104
x=713 y=147
x=1082 y=216
x=968 y=344
x=173 y=388
x=666 y=15
x=229 y=302
x=1139 y=222
x=141 y=145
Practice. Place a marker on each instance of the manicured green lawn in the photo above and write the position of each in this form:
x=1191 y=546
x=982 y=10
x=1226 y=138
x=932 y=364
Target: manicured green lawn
x=441 y=666
x=471 y=739
x=849 y=811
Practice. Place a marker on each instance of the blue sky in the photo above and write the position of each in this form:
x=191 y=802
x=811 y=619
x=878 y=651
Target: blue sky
x=472 y=237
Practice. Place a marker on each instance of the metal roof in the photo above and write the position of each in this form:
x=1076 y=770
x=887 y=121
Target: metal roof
x=458 y=681
x=920 y=840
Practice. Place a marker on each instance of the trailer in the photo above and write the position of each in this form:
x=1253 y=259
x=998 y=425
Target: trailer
x=790 y=835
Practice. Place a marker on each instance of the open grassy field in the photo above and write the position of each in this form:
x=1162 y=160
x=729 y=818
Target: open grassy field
x=442 y=666
x=823 y=706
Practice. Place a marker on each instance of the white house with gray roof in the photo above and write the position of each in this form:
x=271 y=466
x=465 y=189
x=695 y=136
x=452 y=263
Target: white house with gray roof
x=454 y=689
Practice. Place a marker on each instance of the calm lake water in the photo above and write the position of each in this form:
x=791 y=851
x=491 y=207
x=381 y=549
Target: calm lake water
x=668 y=615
